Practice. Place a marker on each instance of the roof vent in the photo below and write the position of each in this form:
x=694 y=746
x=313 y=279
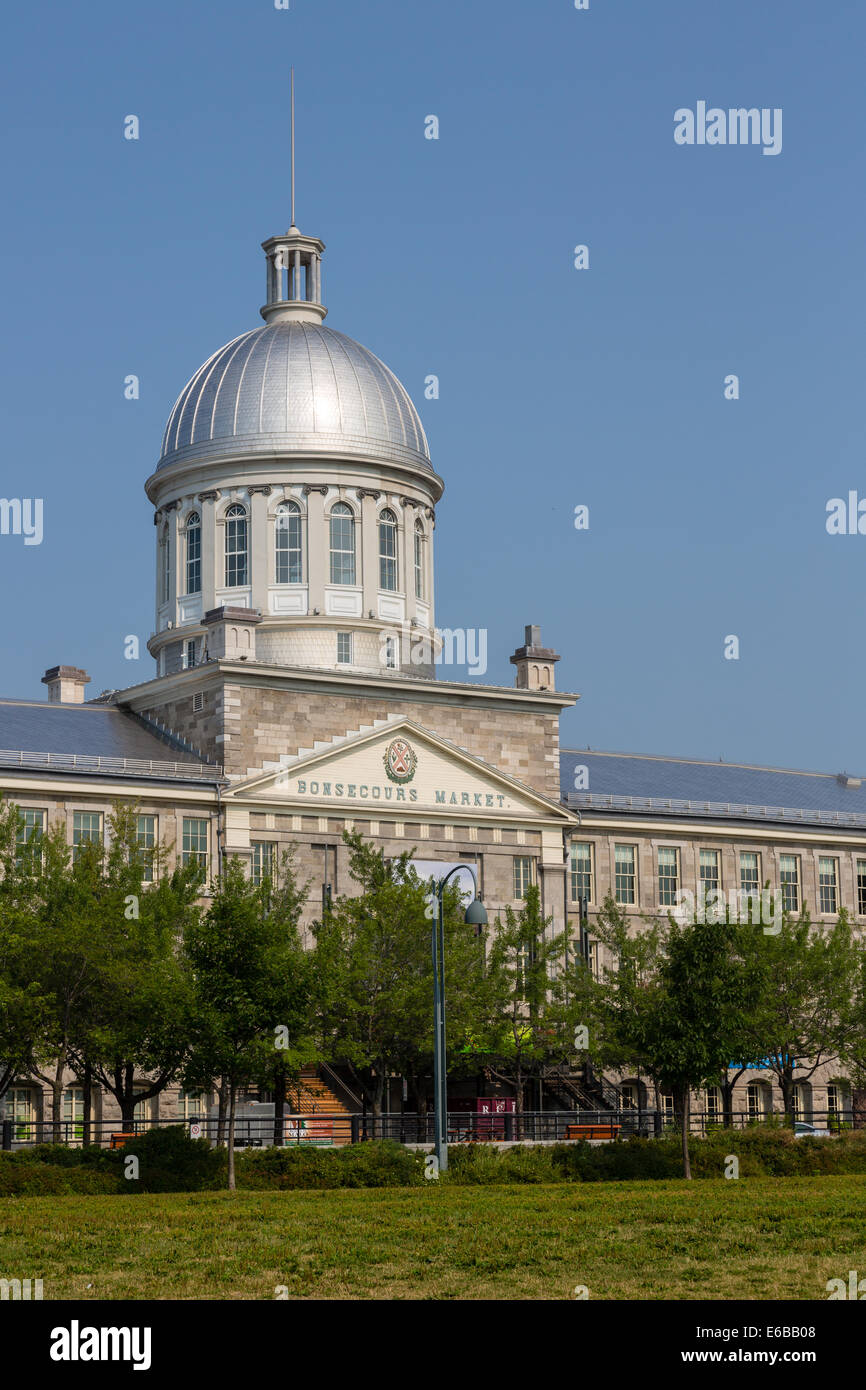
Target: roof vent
x=845 y=781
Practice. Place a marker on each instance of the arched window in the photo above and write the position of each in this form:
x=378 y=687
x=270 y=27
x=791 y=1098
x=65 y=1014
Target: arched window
x=420 y=542
x=236 y=547
x=342 y=544
x=164 y=567
x=287 y=540
x=193 y=553
x=387 y=550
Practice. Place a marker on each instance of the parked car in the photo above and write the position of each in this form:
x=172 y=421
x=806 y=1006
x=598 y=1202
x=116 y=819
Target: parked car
x=801 y=1130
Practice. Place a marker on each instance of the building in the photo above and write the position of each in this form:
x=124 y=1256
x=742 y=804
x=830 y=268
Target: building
x=295 y=645
x=296 y=691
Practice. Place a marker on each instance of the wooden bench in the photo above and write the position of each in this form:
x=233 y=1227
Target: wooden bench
x=592 y=1131
x=118 y=1140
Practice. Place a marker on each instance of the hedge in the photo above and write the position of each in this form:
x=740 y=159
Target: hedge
x=169 y=1161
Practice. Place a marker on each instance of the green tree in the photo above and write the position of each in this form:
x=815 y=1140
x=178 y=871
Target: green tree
x=23 y=1006
x=252 y=979
x=133 y=1039
x=810 y=1013
x=375 y=976
x=536 y=995
x=679 y=1000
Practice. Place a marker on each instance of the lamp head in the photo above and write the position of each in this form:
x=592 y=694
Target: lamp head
x=476 y=914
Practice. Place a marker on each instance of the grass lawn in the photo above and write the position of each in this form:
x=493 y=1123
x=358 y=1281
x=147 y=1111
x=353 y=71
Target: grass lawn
x=758 y=1238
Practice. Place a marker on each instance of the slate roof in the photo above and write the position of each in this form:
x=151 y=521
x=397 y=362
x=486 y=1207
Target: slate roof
x=689 y=786
x=92 y=739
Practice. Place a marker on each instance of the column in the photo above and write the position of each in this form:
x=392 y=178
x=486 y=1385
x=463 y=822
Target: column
x=367 y=561
x=209 y=557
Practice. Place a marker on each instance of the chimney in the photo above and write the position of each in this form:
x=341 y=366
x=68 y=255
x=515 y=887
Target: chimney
x=534 y=663
x=65 y=685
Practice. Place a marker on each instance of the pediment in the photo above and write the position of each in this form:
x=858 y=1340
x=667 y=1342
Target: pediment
x=396 y=767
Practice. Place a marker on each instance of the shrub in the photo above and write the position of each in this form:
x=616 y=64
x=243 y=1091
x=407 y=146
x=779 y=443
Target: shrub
x=380 y=1163
x=169 y=1161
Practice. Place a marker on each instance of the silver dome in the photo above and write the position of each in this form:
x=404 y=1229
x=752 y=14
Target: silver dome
x=295 y=388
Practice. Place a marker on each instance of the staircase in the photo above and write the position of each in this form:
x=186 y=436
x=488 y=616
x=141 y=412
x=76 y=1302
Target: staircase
x=313 y=1097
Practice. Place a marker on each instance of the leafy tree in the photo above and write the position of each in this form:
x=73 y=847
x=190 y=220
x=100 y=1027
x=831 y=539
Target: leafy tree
x=23 y=1006
x=375 y=975
x=679 y=999
x=251 y=979
x=536 y=997
x=134 y=1038
x=810 y=1007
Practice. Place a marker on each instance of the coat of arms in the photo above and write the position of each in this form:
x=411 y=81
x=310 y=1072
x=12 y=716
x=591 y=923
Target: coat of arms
x=401 y=760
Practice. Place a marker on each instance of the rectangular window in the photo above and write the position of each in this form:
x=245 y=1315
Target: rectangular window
x=29 y=837
x=789 y=879
x=72 y=1115
x=594 y=960
x=193 y=557
x=86 y=829
x=827 y=884
x=714 y=1104
x=581 y=872
x=861 y=887
x=522 y=876
x=20 y=1110
x=192 y=1105
x=391 y=653
x=624 y=862
x=189 y=656
x=709 y=869
x=264 y=853
x=344 y=648
x=194 y=846
x=750 y=872
x=419 y=562
x=145 y=834
x=669 y=877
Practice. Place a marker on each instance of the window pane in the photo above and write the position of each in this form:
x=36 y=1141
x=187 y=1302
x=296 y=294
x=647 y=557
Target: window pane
x=789 y=878
x=344 y=648
x=668 y=877
x=709 y=867
x=419 y=562
x=194 y=846
x=289 y=559
x=29 y=838
x=581 y=872
x=193 y=554
x=146 y=840
x=861 y=886
x=387 y=551
x=262 y=860
x=827 y=882
x=86 y=829
x=342 y=545
x=522 y=876
x=236 y=547
x=624 y=858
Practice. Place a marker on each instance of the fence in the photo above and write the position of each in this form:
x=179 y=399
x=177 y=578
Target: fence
x=318 y=1130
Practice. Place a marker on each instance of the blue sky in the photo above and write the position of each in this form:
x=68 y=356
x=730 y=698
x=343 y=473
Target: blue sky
x=559 y=387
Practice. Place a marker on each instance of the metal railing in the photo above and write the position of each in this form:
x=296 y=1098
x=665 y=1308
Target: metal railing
x=336 y=1129
x=742 y=811
x=86 y=762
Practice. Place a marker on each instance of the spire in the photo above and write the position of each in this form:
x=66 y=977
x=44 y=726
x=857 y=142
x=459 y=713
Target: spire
x=294 y=283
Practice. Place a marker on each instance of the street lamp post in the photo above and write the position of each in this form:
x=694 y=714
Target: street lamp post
x=476 y=916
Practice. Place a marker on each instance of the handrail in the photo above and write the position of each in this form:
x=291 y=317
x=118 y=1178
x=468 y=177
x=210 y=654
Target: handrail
x=742 y=811
x=356 y=1100
x=91 y=762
